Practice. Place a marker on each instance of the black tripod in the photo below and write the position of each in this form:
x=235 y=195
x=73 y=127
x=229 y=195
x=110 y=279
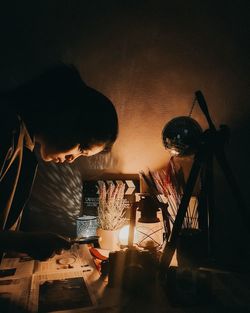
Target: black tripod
x=212 y=145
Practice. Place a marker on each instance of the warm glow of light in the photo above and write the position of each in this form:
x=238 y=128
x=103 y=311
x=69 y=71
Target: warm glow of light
x=129 y=152
x=149 y=235
x=123 y=235
x=144 y=232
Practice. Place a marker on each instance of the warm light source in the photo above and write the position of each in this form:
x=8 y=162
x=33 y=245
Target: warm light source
x=123 y=235
x=149 y=226
x=146 y=224
x=149 y=235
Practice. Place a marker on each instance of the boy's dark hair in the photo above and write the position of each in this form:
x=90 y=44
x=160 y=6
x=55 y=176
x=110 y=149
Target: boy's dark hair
x=64 y=111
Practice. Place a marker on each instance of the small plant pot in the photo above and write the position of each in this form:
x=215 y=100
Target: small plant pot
x=108 y=239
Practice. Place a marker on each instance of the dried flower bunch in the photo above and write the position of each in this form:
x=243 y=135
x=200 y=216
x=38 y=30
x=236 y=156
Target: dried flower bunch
x=111 y=210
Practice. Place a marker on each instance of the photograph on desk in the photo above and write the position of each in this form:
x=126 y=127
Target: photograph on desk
x=63 y=294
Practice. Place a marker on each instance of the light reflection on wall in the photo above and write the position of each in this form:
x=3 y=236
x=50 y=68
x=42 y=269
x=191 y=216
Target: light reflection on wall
x=56 y=199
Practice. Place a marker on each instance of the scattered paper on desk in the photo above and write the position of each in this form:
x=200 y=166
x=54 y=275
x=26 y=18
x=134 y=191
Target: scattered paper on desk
x=22 y=268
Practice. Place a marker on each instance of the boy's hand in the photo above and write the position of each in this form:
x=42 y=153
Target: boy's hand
x=38 y=245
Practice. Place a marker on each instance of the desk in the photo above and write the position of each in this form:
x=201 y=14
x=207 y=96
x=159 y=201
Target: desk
x=71 y=283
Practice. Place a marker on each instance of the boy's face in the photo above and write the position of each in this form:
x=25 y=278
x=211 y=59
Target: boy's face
x=49 y=153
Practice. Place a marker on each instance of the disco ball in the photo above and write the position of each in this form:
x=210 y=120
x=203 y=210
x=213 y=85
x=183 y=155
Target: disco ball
x=182 y=136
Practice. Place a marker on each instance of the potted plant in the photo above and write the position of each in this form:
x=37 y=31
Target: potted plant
x=111 y=214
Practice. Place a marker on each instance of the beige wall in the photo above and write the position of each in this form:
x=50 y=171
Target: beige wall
x=149 y=57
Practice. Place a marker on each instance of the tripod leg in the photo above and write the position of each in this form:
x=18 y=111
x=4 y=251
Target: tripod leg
x=206 y=205
x=169 y=249
x=203 y=207
x=210 y=206
x=202 y=201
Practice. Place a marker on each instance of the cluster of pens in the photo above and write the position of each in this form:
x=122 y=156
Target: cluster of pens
x=169 y=183
x=111 y=209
